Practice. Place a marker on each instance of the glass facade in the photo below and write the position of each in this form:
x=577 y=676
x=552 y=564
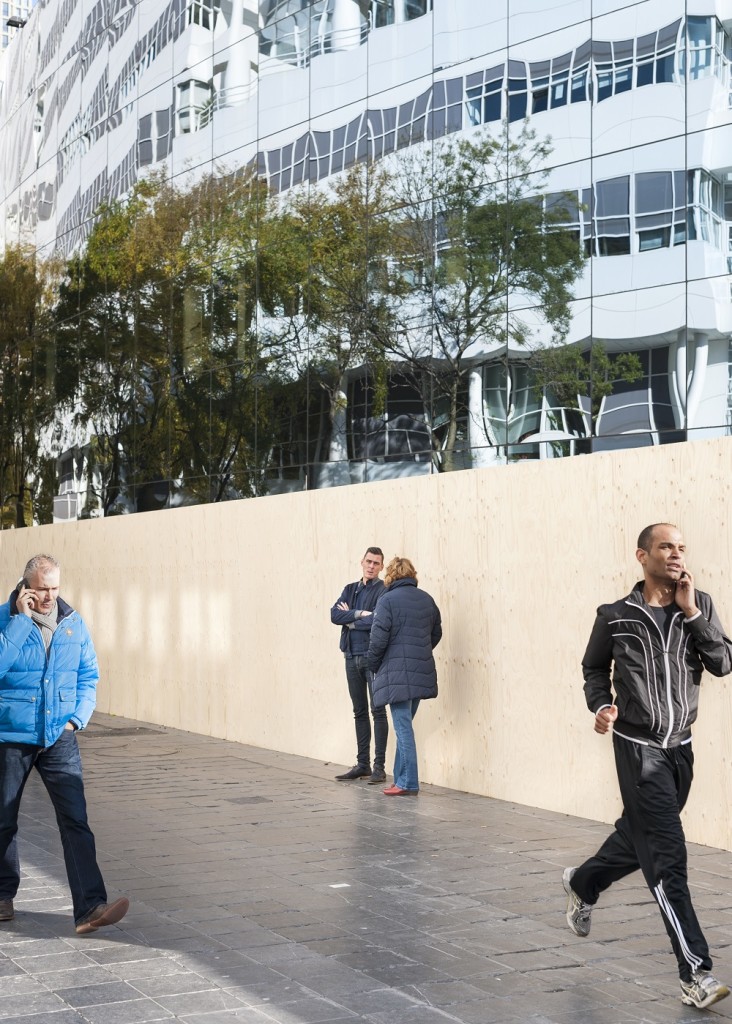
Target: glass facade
x=258 y=247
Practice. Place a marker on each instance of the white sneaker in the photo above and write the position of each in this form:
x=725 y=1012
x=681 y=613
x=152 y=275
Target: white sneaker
x=702 y=990
x=579 y=913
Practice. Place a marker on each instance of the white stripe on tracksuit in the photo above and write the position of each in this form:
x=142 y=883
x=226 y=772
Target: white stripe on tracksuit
x=693 y=961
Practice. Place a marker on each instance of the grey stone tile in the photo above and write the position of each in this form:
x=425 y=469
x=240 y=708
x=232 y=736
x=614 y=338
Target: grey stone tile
x=9 y=969
x=156 y=967
x=281 y=991
x=172 y=984
x=82 y=976
x=245 y=1015
x=134 y=1011
x=307 y=1010
x=61 y=1017
x=91 y=995
x=204 y=1001
x=40 y=963
x=20 y=984
x=29 y=1003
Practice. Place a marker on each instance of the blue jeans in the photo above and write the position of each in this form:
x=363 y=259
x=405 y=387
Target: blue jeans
x=405 y=761
x=360 y=689
x=60 y=768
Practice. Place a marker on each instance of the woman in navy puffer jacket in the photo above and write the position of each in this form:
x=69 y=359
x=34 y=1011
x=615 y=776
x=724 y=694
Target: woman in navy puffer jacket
x=406 y=627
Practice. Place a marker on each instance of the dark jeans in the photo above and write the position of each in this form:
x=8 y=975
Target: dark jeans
x=654 y=785
x=60 y=768
x=359 y=687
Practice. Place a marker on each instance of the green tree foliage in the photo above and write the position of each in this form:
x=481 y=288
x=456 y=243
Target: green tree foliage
x=344 y=240
x=26 y=386
x=159 y=308
x=484 y=246
x=569 y=374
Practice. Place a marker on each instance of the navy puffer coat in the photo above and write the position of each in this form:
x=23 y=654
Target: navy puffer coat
x=407 y=625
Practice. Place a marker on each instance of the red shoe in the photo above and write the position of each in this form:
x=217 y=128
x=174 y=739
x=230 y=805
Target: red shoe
x=398 y=791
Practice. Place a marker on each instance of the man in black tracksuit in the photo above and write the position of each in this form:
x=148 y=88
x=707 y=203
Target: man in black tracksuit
x=651 y=648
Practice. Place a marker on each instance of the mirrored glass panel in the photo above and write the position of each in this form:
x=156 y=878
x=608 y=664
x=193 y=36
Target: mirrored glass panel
x=289 y=245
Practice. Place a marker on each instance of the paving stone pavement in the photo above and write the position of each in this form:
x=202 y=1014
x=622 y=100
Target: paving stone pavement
x=263 y=891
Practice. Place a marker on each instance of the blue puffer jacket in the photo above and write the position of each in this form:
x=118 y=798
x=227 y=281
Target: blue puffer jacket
x=406 y=627
x=39 y=695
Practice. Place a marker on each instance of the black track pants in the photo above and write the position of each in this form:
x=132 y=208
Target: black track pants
x=654 y=785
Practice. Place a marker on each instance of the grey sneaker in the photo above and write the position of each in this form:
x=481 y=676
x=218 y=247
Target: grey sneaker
x=7 y=913
x=579 y=913
x=702 y=990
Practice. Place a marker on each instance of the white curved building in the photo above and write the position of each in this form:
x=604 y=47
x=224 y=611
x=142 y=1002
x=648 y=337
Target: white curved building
x=637 y=100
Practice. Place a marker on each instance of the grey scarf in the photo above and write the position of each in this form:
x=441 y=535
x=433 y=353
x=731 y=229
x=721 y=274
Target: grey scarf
x=47 y=624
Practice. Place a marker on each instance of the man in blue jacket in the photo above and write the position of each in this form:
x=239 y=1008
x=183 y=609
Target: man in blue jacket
x=353 y=612
x=48 y=681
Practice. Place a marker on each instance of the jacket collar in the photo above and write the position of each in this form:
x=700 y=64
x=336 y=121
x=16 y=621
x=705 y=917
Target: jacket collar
x=62 y=608
x=408 y=581
x=636 y=595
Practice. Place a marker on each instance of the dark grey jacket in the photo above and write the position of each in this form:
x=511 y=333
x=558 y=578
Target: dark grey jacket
x=656 y=679
x=406 y=627
x=355 y=631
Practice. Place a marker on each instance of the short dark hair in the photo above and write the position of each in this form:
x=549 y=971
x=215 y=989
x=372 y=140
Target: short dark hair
x=374 y=551
x=645 y=537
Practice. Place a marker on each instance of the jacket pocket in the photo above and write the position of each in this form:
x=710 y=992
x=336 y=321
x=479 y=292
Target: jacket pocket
x=18 y=711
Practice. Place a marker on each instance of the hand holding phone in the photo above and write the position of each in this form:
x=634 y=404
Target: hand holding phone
x=685 y=597
x=26 y=600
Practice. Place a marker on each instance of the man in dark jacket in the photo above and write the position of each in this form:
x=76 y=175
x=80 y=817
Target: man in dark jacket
x=48 y=679
x=353 y=612
x=651 y=648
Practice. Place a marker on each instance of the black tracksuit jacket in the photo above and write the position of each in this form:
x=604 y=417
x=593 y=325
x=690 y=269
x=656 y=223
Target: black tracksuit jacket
x=655 y=678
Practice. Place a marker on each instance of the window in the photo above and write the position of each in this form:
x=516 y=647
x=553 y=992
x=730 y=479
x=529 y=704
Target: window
x=563 y=212
x=540 y=77
x=399 y=433
x=611 y=217
x=614 y=67
x=709 y=48
x=381 y=13
x=446 y=115
x=66 y=475
x=660 y=209
x=516 y=90
x=144 y=140
x=164 y=133
x=203 y=13
x=192 y=99
x=580 y=80
x=484 y=95
x=708 y=208
x=656 y=56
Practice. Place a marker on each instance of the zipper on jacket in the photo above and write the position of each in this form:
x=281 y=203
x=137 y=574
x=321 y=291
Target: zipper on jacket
x=666 y=666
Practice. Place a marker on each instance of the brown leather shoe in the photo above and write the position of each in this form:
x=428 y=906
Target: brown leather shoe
x=7 y=913
x=103 y=914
